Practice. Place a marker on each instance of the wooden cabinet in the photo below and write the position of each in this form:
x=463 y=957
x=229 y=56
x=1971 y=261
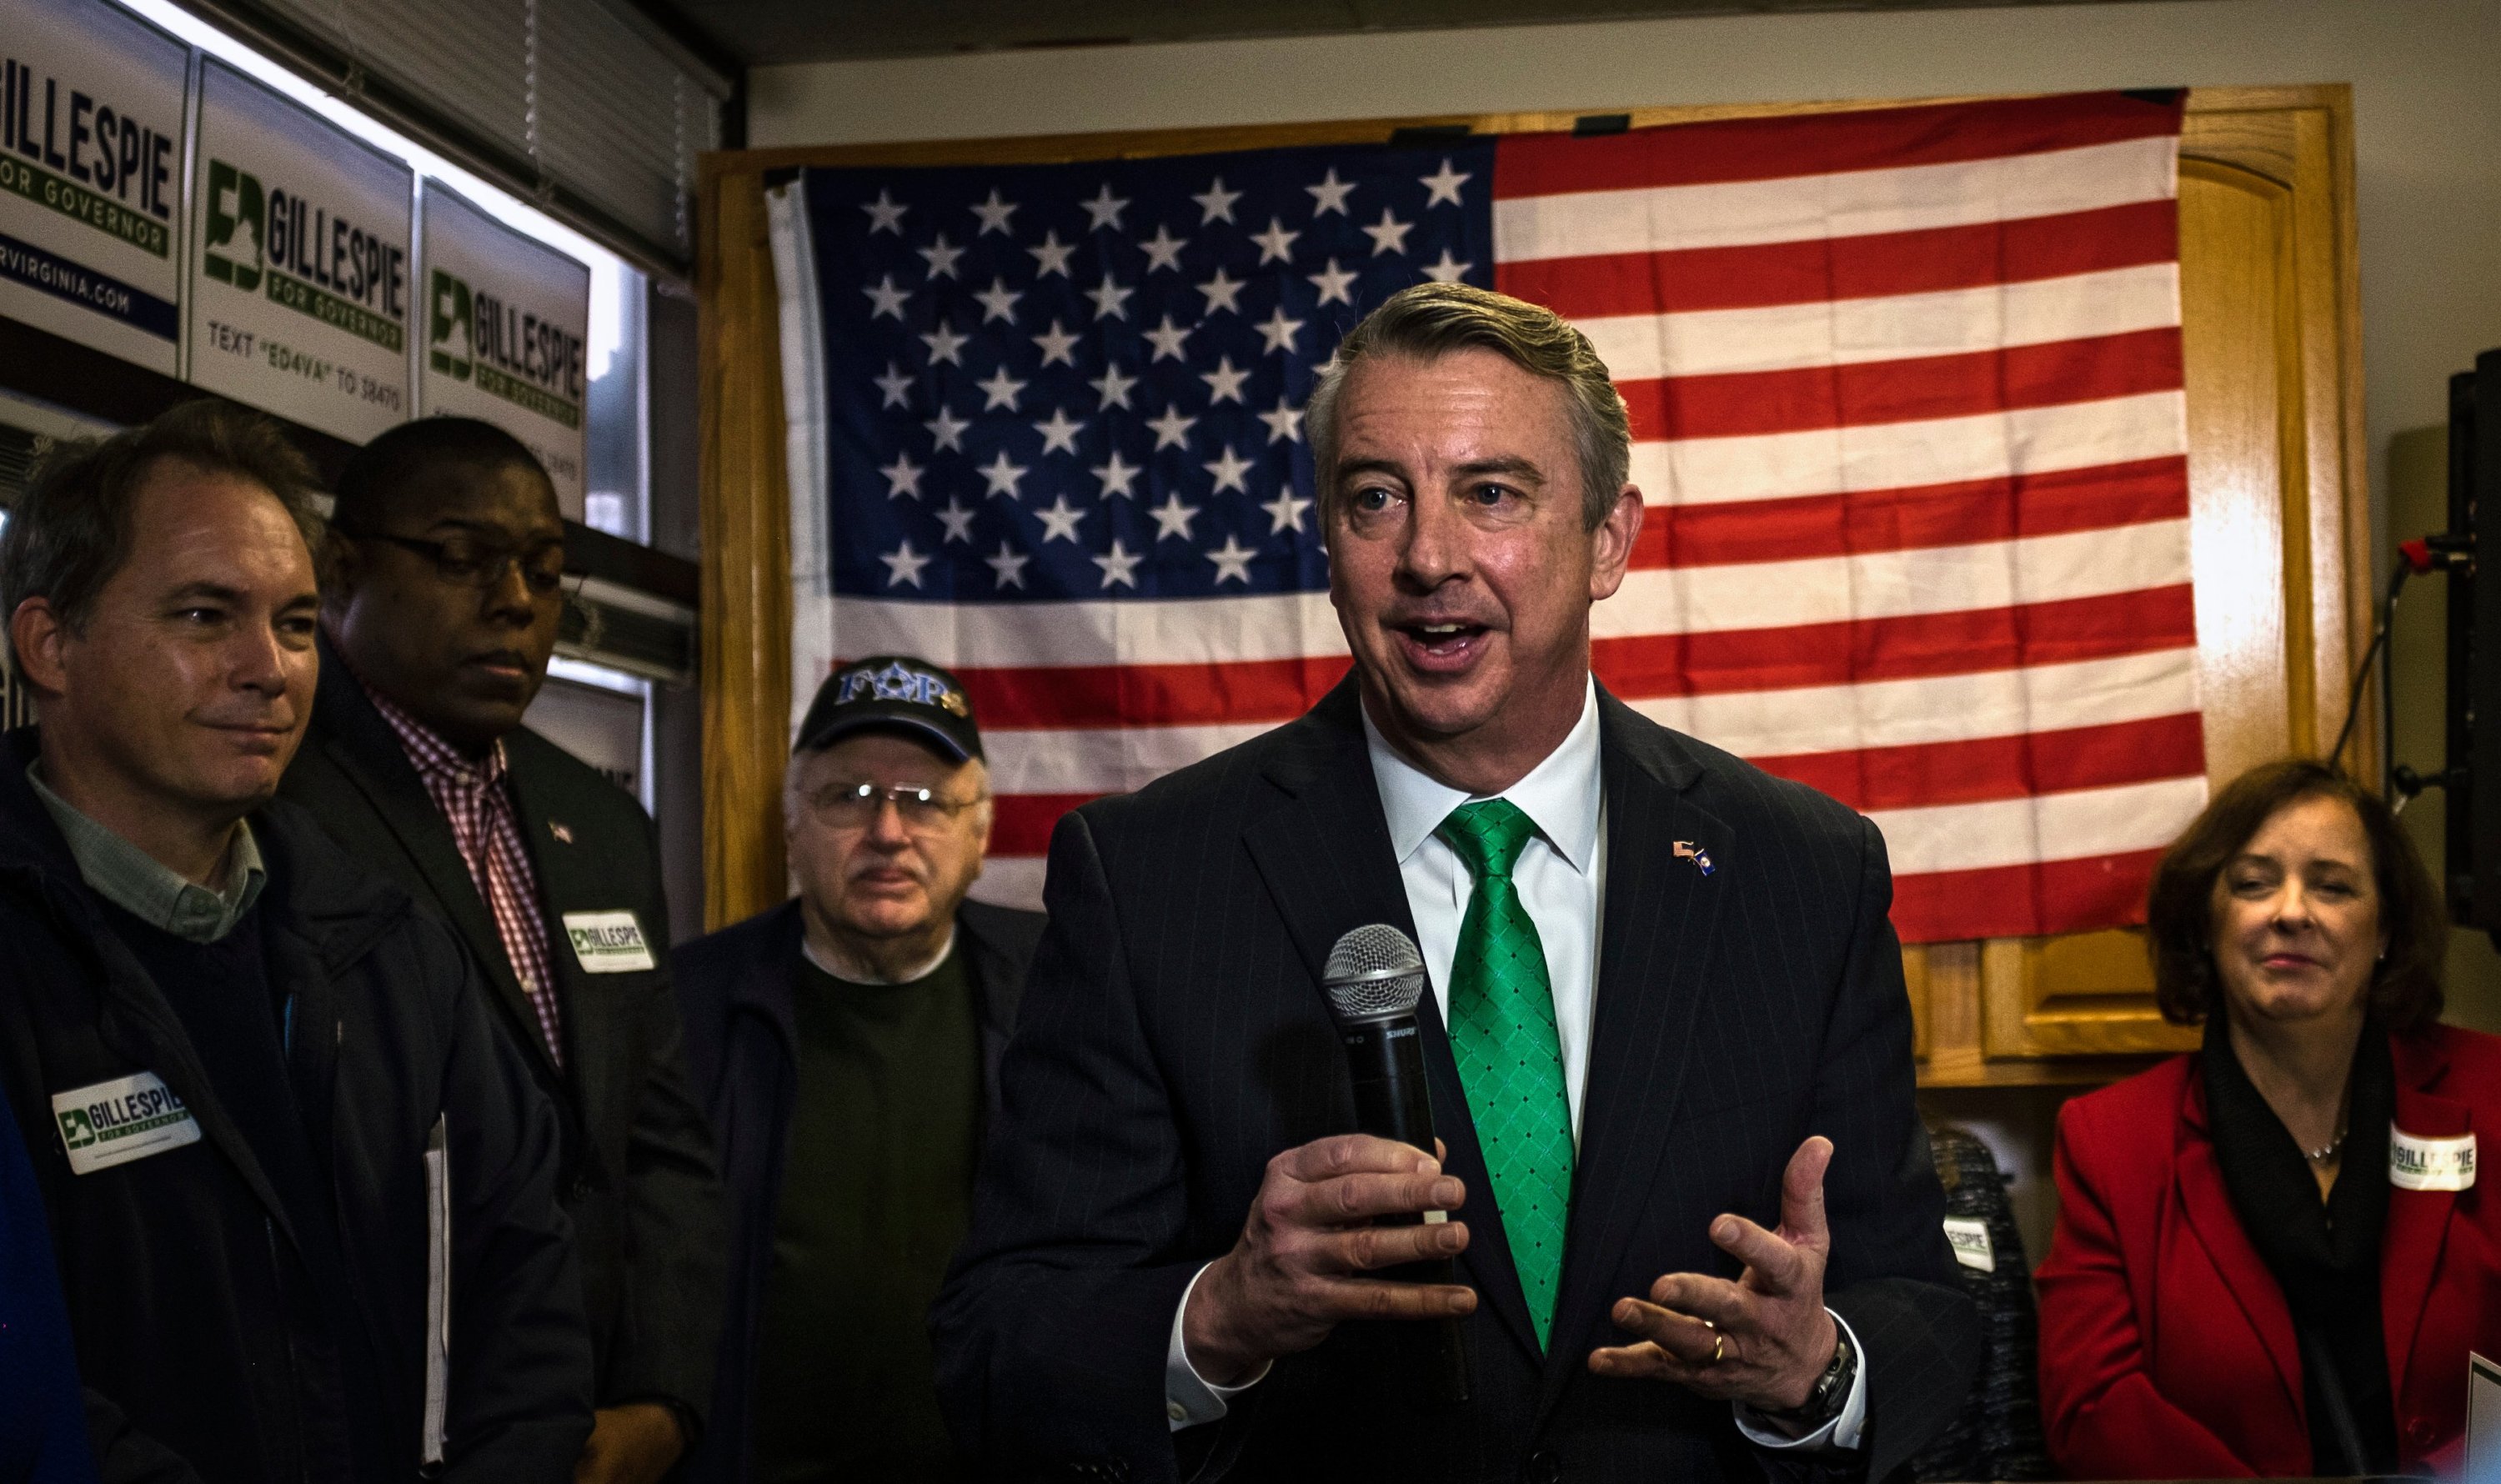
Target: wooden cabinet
x=2280 y=546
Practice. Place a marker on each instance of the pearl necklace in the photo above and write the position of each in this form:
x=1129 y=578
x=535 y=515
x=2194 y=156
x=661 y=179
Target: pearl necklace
x=2328 y=1151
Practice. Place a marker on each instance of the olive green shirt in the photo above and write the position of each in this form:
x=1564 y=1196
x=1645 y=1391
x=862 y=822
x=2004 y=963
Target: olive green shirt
x=139 y=884
x=877 y=1188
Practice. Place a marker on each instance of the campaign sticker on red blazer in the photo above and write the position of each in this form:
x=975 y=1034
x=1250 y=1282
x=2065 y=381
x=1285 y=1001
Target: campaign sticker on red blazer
x=2417 y=1163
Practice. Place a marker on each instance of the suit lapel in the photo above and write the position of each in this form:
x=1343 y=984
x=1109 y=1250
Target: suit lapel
x=2207 y=1205
x=568 y=881
x=1660 y=922
x=368 y=752
x=1325 y=855
x=2410 y=1245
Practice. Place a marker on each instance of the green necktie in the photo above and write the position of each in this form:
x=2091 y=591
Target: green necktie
x=1510 y=1061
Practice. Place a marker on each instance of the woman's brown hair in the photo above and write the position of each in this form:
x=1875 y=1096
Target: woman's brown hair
x=2179 y=918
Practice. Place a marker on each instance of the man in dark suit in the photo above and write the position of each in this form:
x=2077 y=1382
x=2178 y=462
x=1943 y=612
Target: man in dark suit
x=846 y=1045
x=439 y=614
x=1686 y=1186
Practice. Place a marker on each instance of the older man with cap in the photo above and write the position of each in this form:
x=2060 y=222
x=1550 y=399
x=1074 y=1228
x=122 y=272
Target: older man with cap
x=847 y=1044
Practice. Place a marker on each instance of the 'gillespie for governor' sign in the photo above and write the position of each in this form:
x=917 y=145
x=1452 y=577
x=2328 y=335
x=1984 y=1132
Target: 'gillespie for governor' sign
x=90 y=184
x=506 y=318
x=300 y=301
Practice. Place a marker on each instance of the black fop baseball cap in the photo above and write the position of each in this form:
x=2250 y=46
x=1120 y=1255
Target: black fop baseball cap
x=892 y=692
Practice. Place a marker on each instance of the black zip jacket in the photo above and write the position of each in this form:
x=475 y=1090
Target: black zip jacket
x=202 y=1350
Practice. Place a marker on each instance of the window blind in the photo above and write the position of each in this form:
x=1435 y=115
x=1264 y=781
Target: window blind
x=578 y=102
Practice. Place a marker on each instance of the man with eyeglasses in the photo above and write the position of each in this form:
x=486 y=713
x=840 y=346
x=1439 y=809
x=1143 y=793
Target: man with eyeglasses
x=848 y=1046
x=444 y=583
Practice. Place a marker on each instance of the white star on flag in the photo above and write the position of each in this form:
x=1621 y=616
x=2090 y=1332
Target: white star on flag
x=1333 y=283
x=1008 y=566
x=1163 y=250
x=884 y=214
x=945 y=344
x=1224 y=383
x=994 y=214
x=1059 y=433
x=942 y=257
x=1116 y=475
x=1111 y=301
x=1173 y=518
x=1285 y=511
x=1276 y=245
x=1284 y=423
x=1000 y=390
x=1330 y=194
x=1059 y=345
x=1167 y=339
x=896 y=385
x=948 y=429
x=1450 y=270
x=1120 y=565
x=886 y=299
x=903 y=564
x=1112 y=388
x=1390 y=234
x=1232 y=560
x=957 y=518
x=902 y=478
x=1172 y=429
x=1051 y=256
x=1059 y=521
x=1216 y=203
x=998 y=301
x=1444 y=185
x=1003 y=474
x=1106 y=208
x=1280 y=331
x=1221 y=292
x=1230 y=471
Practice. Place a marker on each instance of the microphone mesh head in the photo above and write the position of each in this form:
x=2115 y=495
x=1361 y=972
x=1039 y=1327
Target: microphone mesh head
x=1373 y=972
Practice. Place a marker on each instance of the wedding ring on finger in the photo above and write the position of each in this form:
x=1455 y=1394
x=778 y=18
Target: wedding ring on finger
x=1718 y=1348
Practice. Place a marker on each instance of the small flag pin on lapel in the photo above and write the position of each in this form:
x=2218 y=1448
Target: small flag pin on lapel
x=564 y=832
x=1686 y=850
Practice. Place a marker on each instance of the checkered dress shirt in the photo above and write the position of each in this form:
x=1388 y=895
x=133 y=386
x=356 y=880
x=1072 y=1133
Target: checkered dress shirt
x=475 y=797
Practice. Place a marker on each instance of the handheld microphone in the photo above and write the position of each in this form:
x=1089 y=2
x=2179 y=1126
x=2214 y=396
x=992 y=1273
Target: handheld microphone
x=1374 y=979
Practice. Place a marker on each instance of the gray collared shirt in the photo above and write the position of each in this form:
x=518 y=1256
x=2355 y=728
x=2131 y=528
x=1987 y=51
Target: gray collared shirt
x=136 y=882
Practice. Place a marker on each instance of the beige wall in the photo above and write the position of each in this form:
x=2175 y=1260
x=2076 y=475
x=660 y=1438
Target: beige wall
x=2427 y=150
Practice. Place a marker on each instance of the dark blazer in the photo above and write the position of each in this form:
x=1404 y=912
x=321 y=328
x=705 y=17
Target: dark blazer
x=188 y=1295
x=639 y=1180
x=737 y=987
x=2167 y=1349
x=1174 y=1038
x=42 y=1413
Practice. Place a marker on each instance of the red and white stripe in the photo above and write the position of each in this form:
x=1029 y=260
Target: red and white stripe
x=1905 y=388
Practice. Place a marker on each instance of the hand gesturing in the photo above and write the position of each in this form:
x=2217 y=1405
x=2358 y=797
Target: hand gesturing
x=1761 y=1339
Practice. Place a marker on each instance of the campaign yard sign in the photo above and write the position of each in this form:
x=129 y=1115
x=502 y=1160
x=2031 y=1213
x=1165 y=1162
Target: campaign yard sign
x=507 y=320
x=92 y=105
x=301 y=292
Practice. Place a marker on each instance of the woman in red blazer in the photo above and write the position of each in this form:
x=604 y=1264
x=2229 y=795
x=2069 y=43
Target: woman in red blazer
x=2272 y=1256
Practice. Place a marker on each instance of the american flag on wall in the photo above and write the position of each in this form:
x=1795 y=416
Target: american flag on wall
x=1906 y=398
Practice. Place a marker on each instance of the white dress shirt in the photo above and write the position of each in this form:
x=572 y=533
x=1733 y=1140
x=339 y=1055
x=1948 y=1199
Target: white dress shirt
x=1561 y=879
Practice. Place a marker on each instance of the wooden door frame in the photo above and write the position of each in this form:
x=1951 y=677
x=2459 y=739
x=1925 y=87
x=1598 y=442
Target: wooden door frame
x=747 y=594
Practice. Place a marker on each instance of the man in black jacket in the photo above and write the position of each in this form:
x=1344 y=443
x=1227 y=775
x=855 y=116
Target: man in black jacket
x=1665 y=1033
x=439 y=614
x=848 y=1045
x=274 y=1131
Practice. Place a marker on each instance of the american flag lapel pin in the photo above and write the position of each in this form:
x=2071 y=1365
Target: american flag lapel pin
x=564 y=833
x=1686 y=850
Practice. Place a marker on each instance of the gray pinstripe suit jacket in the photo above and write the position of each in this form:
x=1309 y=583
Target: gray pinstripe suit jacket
x=1174 y=1038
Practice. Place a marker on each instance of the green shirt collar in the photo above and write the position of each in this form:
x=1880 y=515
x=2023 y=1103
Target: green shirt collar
x=136 y=882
